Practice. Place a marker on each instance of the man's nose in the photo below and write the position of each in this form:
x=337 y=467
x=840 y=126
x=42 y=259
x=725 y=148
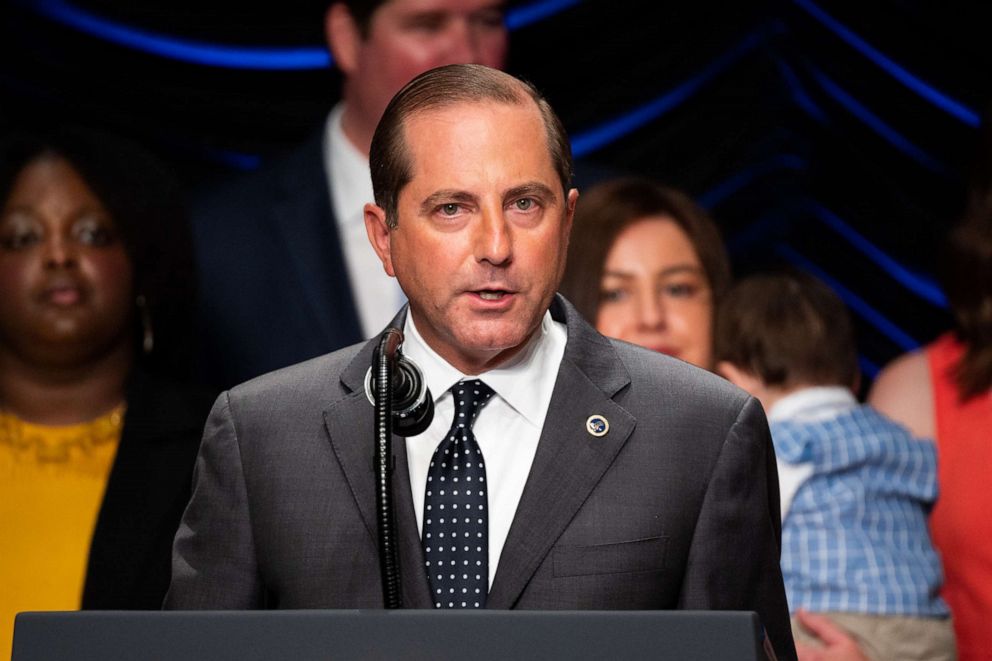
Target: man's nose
x=493 y=242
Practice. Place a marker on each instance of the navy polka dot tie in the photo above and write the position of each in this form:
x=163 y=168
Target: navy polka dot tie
x=456 y=519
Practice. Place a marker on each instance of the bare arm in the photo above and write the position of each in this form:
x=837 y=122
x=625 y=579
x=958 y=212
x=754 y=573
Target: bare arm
x=903 y=392
x=837 y=645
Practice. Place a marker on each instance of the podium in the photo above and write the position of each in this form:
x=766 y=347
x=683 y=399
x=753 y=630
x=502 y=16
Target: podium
x=398 y=634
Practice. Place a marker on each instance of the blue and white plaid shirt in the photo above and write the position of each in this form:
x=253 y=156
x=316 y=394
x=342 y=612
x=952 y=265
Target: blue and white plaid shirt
x=855 y=537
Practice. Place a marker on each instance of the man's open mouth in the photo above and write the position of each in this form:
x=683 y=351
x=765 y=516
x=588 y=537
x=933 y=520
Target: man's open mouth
x=492 y=294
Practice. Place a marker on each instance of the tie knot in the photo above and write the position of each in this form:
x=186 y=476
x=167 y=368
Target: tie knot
x=470 y=396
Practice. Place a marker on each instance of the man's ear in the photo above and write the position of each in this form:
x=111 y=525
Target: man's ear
x=739 y=377
x=570 y=200
x=378 y=231
x=343 y=37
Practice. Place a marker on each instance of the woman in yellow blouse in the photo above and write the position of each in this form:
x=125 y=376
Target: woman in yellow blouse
x=96 y=444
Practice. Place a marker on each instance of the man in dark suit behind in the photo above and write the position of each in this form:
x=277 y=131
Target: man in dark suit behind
x=285 y=271
x=614 y=477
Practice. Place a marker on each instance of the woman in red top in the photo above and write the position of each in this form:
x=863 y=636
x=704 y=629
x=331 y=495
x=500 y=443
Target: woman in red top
x=944 y=392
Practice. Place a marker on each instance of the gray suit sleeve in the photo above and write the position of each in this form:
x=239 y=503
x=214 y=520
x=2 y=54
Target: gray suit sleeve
x=213 y=557
x=734 y=557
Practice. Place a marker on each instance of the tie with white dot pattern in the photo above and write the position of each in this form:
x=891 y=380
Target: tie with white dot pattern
x=456 y=519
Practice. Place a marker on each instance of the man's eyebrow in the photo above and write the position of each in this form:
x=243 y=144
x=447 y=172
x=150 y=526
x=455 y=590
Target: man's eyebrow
x=530 y=189
x=444 y=197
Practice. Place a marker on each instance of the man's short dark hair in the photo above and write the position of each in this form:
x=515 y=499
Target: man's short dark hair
x=787 y=329
x=389 y=159
x=361 y=12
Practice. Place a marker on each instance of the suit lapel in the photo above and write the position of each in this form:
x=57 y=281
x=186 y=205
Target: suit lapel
x=570 y=461
x=304 y=222
x=349 y=423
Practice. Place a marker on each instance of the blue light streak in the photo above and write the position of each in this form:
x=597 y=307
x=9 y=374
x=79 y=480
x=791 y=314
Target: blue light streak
x=520 y=17
x=262 y=58
x=185 y=50
x=757 y=231
x=857 y=304
x=924 y=287
x=877 y=124
x=745 y=177
x=799 y=94
x=943 y=101
x=868 y=367
x=589 y=141
x=234 y=159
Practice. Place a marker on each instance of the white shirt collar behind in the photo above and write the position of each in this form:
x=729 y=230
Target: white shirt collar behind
x=814 y=403
x=347 y=169
x=377 y=296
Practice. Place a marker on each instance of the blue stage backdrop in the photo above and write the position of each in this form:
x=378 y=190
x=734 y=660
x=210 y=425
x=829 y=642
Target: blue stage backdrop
x=834 y=137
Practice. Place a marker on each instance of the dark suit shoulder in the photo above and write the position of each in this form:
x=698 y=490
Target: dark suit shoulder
x=315 y=379
x=660 y=378
x=250 y=194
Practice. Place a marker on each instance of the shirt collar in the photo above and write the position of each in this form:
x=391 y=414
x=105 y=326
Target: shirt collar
x=525 y=382
x=347 y=171
x=814 y=402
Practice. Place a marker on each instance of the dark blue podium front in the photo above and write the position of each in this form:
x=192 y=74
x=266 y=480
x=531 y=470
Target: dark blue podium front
x=402 y=634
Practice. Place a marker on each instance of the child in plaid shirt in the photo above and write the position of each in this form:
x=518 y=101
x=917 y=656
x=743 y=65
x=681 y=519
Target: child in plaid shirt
x=856 y=487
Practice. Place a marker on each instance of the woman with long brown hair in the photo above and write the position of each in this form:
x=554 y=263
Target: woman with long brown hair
x=944 y=392
x=647 y=265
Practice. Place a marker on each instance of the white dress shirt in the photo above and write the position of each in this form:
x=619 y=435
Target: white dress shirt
x=377 y=296
x=807 y=405
x=507 y=429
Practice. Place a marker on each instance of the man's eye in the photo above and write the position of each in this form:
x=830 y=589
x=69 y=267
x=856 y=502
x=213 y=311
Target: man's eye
x=489 y=19
x=449 y=209
x=524 y=204
x=427 y=22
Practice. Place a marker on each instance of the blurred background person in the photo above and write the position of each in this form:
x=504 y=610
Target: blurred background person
x=856 y=487
x=97 y=437
x=647 y=265
x=286 y=272
x=944 y=392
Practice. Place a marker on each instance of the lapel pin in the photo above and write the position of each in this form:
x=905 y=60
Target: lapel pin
x=597 y=425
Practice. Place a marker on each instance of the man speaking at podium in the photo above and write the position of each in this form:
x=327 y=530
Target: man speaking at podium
x=562 y=470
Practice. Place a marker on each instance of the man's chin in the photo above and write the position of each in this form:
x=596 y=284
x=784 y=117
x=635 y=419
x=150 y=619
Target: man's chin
x=490 y=346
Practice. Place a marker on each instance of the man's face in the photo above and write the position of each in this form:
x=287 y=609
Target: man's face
x=482 y=230
x=407 y=37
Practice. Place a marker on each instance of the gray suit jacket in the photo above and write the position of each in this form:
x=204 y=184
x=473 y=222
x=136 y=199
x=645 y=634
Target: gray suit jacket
x=675 y=507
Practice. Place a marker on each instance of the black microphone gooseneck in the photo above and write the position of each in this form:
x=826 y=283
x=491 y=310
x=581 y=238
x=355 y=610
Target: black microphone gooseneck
x=400 y=396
